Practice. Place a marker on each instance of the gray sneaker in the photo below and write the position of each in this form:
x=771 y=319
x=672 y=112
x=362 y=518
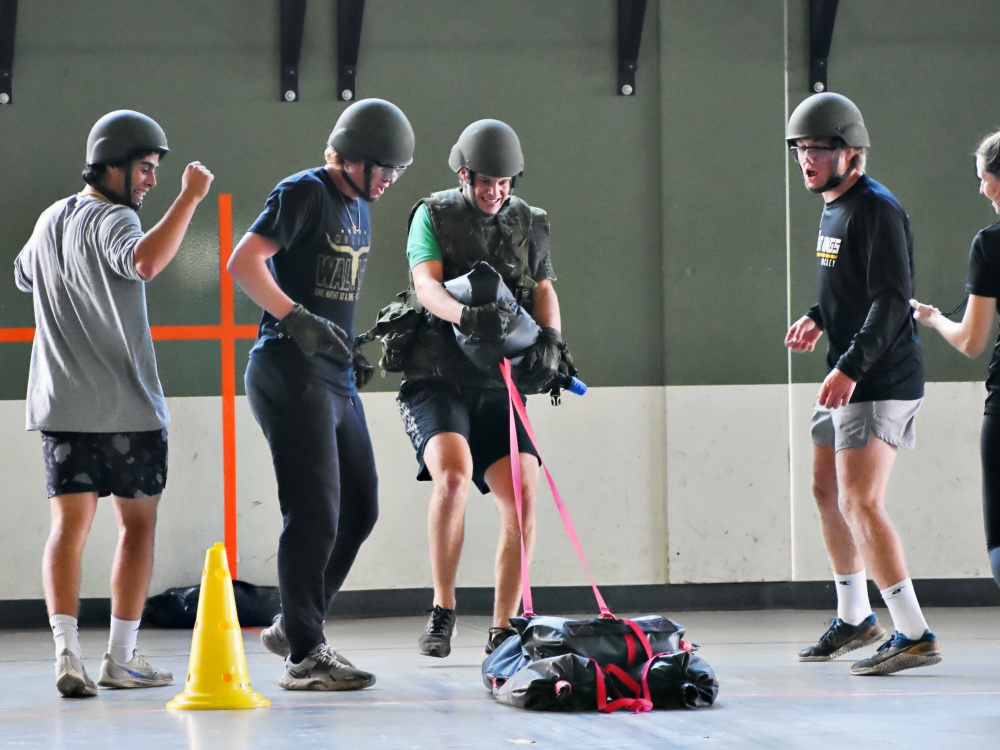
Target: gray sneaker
x=275 y=641
x=274 y=638
x=71 y=678
x=323 y=670
x=137 y=673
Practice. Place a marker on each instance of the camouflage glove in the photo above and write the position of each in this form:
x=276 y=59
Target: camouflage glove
x=485 y=322
x=540 y=364
x=315 y=335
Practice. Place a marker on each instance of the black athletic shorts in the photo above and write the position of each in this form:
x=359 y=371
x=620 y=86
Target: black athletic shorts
x=126 y=464
x=480 y=415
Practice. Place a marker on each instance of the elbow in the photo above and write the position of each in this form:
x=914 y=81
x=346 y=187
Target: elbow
x=972 y=349
x=236 y=265
x=147 y=271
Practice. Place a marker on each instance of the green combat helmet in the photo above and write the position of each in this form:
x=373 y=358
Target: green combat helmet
x=373 y=130
x=375 y=133
x=489 y=147
x=120 y=135
x=828 y=115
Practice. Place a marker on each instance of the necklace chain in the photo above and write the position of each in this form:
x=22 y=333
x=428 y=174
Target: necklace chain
x=354 y=227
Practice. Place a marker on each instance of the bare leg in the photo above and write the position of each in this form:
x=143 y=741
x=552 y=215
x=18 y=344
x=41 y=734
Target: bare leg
x=864 y=475
x=507 y=566
x=133 y=562
x=449 y=462
x=72 y=516
x=840 y=547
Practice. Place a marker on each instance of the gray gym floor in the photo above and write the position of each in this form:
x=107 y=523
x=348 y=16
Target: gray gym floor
x=767 y=699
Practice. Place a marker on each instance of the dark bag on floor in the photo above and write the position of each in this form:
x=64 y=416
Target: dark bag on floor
x=608 y=664
x=256 y=606
x=605 y=663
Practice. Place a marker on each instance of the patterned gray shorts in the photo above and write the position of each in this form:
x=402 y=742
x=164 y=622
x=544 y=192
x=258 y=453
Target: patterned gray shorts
x=126 y=464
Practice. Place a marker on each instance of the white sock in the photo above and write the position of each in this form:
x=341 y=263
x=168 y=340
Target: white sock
x=65 y=632
x=852 y=597
x=121 y=644
x=901 y=600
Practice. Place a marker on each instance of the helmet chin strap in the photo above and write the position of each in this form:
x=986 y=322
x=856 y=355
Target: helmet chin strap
x=121 y=200
x=366 y=193
x=830 y=184
x=835 y=179
x=470 y=181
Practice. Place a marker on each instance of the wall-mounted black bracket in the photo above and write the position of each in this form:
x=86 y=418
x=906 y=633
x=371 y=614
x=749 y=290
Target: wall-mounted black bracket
x=822 y=15
x=8 y=23
x=292 y=20
x=630 y=17
x=349 y=16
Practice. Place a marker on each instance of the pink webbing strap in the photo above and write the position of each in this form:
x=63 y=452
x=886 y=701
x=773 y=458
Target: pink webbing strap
x=516 y=405
x=646 y=646
x=637 y=705
x=515 y=473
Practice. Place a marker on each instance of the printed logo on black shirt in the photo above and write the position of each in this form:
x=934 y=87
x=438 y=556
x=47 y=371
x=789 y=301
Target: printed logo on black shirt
x=339 y=274
x=827 y=249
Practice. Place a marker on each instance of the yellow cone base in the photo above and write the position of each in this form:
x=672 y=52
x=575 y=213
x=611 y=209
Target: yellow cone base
x=217 y=672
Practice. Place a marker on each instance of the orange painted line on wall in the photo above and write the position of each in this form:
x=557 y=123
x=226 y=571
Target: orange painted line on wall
x=160 y=333
x=228 y=342
x=226 y=334
x=196 y=332
x=10 y=335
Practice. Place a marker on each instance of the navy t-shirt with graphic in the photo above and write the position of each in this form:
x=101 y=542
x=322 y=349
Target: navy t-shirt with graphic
x=984 y=281
x=324 y=240
x=865 y=253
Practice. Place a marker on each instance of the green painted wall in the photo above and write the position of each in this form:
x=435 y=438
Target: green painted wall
x=668 y=208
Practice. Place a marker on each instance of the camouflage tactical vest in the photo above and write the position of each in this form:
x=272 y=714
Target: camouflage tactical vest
x=465 y=238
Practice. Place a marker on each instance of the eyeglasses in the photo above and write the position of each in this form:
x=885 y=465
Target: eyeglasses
x=386 y=171
x=812 y=153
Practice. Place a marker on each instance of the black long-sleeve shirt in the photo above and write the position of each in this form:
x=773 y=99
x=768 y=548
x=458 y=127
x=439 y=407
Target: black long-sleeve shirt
x=865 y=281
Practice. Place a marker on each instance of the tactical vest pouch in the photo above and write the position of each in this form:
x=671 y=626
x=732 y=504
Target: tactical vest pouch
x=397 y=325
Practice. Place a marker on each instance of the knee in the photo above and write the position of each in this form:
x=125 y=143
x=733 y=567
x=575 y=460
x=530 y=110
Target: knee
x=453 y=485
x=825 y=494
x=508 y=517
x=858 y=508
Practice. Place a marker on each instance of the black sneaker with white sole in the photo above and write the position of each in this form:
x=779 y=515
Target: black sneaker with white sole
x=842 y=637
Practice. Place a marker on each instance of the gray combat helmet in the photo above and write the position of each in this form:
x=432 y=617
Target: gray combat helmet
x=489 y=147
x=121 y=134
x=373 y=130
x=828 y=115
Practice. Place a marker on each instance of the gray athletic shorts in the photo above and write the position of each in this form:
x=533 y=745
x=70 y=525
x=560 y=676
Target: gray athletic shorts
x=851 y=426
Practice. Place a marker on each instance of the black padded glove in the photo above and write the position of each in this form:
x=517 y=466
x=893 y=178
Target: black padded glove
x=485 y=322
x=314 y=334
x=540 y=365
x=363 y=369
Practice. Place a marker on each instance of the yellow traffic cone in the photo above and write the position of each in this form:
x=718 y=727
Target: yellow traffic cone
x=217 y=672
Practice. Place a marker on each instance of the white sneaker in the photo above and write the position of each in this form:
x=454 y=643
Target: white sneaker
x=71 y=678
x=323 y=670
x=137 y=673
x=274 y=638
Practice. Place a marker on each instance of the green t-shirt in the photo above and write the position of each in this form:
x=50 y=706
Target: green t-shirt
x=421 y=244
